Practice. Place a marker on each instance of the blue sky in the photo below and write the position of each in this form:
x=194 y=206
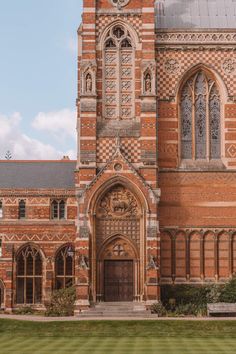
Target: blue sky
x=38 y=41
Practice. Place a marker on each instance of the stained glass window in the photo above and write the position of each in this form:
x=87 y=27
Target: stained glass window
x=200 y=118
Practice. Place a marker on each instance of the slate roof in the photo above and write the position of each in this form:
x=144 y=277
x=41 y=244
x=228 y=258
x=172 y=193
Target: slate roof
x=207 y=14
x=37 y=174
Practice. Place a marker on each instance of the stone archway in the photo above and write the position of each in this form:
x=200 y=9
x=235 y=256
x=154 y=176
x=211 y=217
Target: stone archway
x=118 y=270
x=118 y=245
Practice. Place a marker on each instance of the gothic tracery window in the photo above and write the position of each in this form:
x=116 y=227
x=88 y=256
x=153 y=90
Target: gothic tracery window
x=65 y=267
x=200 y=118
x=29 y=276
x=118 y=75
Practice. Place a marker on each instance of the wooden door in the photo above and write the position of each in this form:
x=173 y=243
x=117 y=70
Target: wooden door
x=118 y=280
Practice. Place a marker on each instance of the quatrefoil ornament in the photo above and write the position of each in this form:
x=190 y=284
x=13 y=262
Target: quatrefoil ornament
x=120 y=3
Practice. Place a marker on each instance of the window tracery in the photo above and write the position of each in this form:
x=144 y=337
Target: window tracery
x=65 y=267
x=118 y=74
x=200 y=118
x=29 y=276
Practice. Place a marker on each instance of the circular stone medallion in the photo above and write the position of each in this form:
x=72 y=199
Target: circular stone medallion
x=120 y=3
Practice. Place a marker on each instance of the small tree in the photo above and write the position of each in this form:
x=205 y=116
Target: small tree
x=8 y=155
x=62 y=303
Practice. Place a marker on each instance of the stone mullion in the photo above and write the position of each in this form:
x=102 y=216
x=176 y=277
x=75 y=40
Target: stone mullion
x=231 y=265
x=173 y=256
x=187 y=256
x=216 y=253
x=202 y=273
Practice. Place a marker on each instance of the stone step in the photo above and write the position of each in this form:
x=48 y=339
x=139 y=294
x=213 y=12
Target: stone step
x=121 y=309
x=116 y=315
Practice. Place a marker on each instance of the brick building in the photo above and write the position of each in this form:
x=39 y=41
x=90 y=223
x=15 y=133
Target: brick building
x=151 y=199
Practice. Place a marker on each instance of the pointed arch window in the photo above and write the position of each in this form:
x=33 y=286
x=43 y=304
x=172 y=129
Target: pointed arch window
x=200 y=111
x=29 y=276
x=118 y=75
x=65 y=267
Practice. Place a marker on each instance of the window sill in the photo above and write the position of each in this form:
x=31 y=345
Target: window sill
x=202 y=165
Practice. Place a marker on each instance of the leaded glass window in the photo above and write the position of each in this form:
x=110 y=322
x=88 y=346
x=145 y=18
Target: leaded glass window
x=65 y=267
x=58 y=209
x=22 y=209
x=118 y=75
x=29 y=276
x=200 y=118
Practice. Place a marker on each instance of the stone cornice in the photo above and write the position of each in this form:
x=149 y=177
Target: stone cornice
x=196 y=37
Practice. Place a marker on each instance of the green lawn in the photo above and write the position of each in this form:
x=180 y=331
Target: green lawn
x=103 y=337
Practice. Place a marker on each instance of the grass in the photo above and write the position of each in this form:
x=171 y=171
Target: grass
x=118 y=337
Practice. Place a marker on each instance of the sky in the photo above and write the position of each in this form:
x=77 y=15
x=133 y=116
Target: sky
x=38 y=59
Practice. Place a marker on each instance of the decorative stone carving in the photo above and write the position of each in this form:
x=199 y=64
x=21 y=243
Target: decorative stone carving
x=148 y=83
x=118 y=248
x=148 y=78
x=88 y=75
x=196 y=37
x=89 y=83
x=84 y=232
x=83 y=262
x=120 y=3
x=118 y=202
x=229 y=66
x=152 y=264
x=172 y=66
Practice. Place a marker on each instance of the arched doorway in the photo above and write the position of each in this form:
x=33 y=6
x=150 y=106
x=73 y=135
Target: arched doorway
x=118 y=270
x=118 y=246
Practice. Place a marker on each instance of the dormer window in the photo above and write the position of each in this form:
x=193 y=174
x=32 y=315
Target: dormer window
x=1 y=210
x=58 y=209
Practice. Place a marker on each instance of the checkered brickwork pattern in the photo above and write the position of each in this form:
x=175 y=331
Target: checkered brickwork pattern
x=167 y=83
x=103 y=21
x=130 y=148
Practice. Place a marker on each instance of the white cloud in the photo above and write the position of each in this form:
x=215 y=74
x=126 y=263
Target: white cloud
x=22 y=146
x=61 y=123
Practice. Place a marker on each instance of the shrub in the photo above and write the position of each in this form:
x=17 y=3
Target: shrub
x=228 y=293
x=158 y=309
x=62 y=303
x=24 y=310
x=191 y=310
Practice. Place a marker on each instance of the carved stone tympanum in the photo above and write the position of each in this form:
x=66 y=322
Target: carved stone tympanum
x=118 y=202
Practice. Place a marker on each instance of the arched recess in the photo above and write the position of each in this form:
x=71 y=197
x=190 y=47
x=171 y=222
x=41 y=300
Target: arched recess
x=234 y=253
x=200 y=95
x=166 y=255
x=195 y=249
x=64 y=266
x=118 y=47
x=29 y=275
x=2 y=294
x=209 y=256
x=117 y=209
x=223 y=255
x=118 y=270
x=180 y=254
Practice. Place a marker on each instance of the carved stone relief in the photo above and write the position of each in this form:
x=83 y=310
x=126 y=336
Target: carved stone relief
x=118 y=248
x=120 y=3
x=172 y=66
x=229 y=66
x=119 y=202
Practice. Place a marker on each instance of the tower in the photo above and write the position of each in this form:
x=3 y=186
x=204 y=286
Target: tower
x=116 y=177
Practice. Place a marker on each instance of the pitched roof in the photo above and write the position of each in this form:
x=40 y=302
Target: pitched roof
x=207 y=14
x=37 y=174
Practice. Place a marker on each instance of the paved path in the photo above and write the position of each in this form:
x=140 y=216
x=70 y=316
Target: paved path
x=77 y=318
